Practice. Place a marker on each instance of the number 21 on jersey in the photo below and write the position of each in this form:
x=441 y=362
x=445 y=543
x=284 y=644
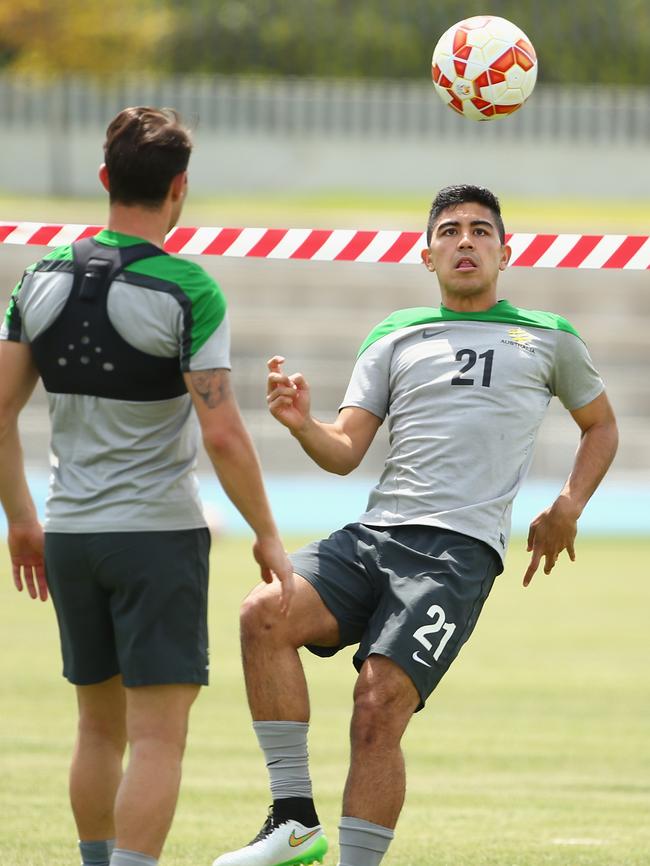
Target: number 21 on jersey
x=471 y=358
x=439 y=624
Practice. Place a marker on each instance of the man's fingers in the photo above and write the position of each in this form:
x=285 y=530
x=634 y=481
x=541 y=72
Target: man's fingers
x=287 y=391
x=287 y=589
x=41 y=581
x=298 y=381
x=549 y=562
x=275 y=363
x=276 y=381
x=532 y=568
x=531 y=538
x=15 y=570
x=570 y=549
x=28 y=576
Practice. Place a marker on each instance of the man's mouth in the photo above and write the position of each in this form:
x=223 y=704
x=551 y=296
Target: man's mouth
x=465 y=264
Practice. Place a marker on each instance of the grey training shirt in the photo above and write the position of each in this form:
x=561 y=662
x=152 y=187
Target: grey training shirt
x=465 y=394
x=125 y=464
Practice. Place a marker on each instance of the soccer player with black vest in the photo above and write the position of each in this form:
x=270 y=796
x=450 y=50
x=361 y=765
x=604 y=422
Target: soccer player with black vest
x=463 y=388
x=132 y=346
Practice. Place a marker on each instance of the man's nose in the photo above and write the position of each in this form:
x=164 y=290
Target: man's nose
x=465 y=240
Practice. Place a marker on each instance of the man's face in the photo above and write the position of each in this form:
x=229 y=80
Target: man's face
x=465 y=251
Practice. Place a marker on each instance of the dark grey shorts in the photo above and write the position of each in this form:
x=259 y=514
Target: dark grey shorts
x=133 y=603
x=410 y=593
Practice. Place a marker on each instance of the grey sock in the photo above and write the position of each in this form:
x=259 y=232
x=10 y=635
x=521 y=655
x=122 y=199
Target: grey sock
x=96 y=853
x=285 y=750
x=122 y=857
x=362 y=843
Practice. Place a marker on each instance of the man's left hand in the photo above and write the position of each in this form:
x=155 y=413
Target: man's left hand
x=551 y=532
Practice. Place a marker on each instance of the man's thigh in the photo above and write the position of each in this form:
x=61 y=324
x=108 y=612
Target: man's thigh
x=133 y=603
x=435 y=583
x=340 y=569
x=307 y=620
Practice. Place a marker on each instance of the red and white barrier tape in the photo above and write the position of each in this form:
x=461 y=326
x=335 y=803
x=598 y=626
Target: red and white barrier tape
x=627 y=252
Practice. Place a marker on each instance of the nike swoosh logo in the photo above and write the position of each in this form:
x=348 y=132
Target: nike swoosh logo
x=416 y=657
x=433 y=332
x=294 y=840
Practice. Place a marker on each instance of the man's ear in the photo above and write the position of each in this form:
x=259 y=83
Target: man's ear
x=178 y=186
x=103 y=177
x=505 y=257
x=425 y=255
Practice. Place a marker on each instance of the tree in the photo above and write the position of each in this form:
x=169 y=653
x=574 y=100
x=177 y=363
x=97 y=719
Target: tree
x=82 y=36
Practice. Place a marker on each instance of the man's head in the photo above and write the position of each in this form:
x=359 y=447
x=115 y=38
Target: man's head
x=451 y=196
x=466 y=246
x=145 y=149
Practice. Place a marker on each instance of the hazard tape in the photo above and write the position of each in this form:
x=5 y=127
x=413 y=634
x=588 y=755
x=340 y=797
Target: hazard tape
x=625 y=252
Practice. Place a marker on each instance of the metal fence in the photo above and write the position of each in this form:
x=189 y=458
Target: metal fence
x=327 y=108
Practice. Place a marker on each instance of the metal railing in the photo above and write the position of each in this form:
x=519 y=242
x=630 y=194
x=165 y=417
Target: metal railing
x=328 y=108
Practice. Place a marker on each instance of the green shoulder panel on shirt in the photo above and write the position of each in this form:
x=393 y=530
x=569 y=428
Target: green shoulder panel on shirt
x=11 y=307
x=206 y=298
x=502 y=311
x=63 y=253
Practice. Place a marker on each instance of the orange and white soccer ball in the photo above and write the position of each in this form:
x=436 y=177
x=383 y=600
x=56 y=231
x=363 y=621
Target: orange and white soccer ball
x=484 y=67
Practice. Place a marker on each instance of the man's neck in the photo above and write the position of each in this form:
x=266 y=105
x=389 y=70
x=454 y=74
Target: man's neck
x=148 y=224
x=478 y=303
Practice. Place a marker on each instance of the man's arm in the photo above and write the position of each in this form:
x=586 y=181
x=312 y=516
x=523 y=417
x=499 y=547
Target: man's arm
x=233 y=455
x=338 y=447
x=555 y=529
x=18 y=376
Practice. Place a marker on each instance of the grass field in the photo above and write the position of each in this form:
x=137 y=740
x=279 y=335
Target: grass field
x=342 y=210
x=533 y=752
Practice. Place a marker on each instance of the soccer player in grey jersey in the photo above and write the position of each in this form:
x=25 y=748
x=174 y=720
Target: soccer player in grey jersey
x=464 y=388
x=132 y=346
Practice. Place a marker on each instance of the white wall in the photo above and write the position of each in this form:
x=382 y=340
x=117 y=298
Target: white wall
x=41 y=162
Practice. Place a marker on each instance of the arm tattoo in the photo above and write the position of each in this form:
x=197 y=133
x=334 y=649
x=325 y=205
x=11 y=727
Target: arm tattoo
x=212 y=386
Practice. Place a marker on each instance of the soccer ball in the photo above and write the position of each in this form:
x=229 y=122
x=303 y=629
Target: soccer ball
x=484 y=67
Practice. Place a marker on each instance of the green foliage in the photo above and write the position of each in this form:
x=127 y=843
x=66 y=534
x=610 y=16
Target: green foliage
x=38 y=37
x=577 y=42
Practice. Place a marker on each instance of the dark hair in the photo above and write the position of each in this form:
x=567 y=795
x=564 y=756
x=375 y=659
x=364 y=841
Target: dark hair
x=459 y=194
x=145 y=149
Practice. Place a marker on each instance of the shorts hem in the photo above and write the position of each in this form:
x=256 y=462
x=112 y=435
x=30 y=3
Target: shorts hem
x=358 y=660
x=344 y=629
x=157 y=681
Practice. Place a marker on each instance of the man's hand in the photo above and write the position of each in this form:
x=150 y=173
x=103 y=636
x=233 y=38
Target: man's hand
x=551 y=532
x=274 y=564
x=287 y=396
x=25 y=542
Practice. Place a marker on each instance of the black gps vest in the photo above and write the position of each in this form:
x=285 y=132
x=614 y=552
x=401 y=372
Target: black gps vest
x=82 y=353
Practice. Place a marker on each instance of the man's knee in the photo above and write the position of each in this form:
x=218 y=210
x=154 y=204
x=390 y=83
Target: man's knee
x=100 y=731
x=308 y=620
x=260 y=617
x=160 y=713
x=102 y=713
x=383 y=706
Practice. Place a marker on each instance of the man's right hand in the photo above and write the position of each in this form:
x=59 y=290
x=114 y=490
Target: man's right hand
x=25 y=541
x=287 y=396
x=274 y=563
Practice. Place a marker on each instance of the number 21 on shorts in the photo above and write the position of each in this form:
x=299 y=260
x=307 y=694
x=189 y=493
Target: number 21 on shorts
x=438 y=625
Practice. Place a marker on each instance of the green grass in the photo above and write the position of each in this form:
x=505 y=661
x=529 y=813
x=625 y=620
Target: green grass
x=533 y=751
x=343 y=210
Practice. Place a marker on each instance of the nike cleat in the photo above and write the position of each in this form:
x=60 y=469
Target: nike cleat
x=286 y=844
